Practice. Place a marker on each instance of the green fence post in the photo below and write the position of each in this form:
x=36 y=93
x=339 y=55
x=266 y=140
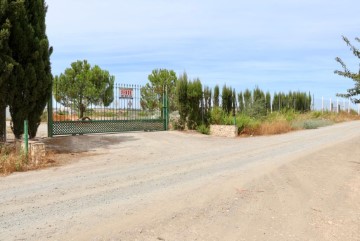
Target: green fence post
x=26 y=137
x=167 y=109
x=163 y=108
x=50 y=117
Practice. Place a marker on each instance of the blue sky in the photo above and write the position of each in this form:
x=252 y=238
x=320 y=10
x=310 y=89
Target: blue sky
x=278 y=45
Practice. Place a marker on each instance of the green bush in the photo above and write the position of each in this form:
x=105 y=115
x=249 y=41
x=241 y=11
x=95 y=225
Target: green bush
x=217 y=116
x=228 y=120
x=311 y=124
x=242 y=121
x=314 y=124
x=203 y=129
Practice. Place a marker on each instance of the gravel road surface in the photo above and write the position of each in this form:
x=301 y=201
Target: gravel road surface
x=302 y=185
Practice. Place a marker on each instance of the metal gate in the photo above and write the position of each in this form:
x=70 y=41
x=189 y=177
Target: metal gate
x=128 y=111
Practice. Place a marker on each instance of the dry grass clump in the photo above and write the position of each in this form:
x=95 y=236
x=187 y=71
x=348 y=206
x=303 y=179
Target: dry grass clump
x=273 y=128
x=13 y=159
x=283 y=122
x=344 y=116
x=10 y=159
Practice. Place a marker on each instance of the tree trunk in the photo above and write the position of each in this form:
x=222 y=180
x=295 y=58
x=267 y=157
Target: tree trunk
x=3 y=124
x=82 y=110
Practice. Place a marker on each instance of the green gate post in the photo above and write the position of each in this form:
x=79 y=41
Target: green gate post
x=26 y=137
x=165 y=109
x=50 y=117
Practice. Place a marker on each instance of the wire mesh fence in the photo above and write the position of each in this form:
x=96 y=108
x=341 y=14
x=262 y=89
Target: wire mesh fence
x=335 y=105
x=126 y=105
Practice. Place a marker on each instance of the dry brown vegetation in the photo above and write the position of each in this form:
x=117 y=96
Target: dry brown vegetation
x=13 y=159
x=273 y=128
x=57 y=117
x=279 y=123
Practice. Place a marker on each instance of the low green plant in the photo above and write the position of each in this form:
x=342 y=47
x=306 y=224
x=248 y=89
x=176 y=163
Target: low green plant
x=203 y=129
x=242 y=121
x=311 y=123
x=217 y=116
x=314 y=124
x=228 y=120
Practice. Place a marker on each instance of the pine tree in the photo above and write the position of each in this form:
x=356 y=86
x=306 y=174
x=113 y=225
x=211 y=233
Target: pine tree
x=83 y=85
x=354 y=92
x=31 y=79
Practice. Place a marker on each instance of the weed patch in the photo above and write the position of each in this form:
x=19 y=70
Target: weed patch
x=273 y=128
x=13 y=159
x=281 y=121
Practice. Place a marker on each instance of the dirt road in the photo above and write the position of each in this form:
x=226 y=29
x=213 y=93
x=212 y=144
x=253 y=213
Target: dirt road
x=173 y=186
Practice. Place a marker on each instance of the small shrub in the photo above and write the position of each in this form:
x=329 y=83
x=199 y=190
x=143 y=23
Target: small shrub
x=176 y=125
x=311 y=123
x=203 y=129
x=242 y=121
x=228 y=120
x=217 y=116
x=10 y=160
x=314 y=124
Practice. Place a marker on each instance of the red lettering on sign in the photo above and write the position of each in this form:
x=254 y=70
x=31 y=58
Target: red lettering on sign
x=126 y=93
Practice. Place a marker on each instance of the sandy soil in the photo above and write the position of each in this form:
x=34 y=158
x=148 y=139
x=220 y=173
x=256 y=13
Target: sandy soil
x=174 y=186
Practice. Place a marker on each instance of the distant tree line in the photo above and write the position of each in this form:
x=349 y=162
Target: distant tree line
x=197 y=103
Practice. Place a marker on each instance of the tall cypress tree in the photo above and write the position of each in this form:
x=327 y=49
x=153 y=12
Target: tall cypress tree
x=216 y=96
x=6 y=64
x=31 y=79
x=182 y=99
x=241 y=102
x=194 y=96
